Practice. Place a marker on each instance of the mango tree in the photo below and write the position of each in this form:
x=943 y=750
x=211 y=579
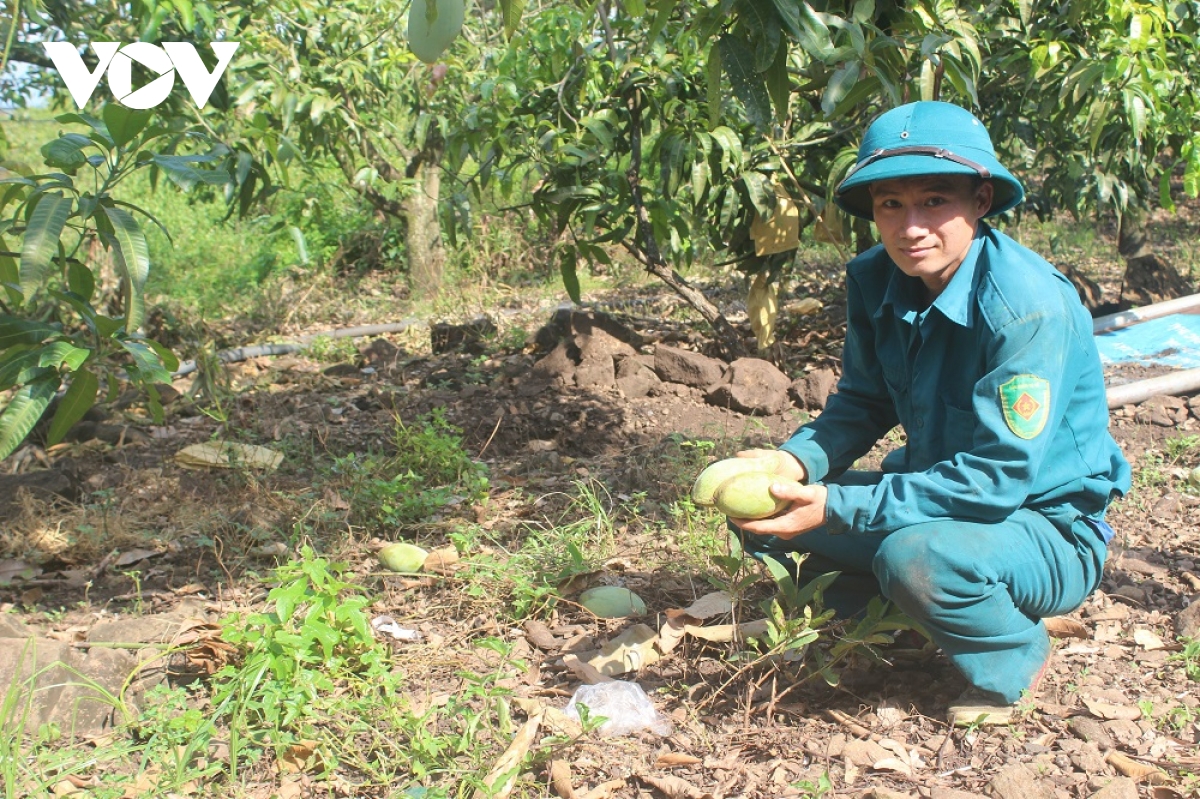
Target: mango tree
x=1100 y=99
x=678 y=131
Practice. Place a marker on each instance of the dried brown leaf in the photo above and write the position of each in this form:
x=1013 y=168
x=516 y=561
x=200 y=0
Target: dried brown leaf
x=299 y=757
x=709 y=605
x=560 y=779
x=632 y=650
x=604 y=790
x=503 y=776
x=668 y=759
x=1104 y=710
x=675 y=788
x=1062 y=627
x=585 y=671
x=1134 y=769
x=540 y=636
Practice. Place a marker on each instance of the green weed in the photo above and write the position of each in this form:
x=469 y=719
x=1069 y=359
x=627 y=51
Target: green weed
x=1189 y=656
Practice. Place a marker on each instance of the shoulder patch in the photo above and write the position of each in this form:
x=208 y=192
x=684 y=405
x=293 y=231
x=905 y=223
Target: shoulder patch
x=1025 y=400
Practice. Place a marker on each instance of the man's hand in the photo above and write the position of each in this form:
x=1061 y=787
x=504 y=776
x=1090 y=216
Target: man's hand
x=807 y=511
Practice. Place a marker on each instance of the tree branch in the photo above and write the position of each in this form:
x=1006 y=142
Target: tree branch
x=646 y=247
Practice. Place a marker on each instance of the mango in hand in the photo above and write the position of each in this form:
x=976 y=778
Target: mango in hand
x=705 y=487
x=748 y=496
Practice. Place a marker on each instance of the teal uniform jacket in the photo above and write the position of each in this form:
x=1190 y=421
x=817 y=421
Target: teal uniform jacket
x=997 y=385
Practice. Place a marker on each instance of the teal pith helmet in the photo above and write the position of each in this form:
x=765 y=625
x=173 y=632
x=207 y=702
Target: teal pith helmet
x=926 y=138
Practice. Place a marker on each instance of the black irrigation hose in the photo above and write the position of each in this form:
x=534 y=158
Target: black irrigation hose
x=304 y=342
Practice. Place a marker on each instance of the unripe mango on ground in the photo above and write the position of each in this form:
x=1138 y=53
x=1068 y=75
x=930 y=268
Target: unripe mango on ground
x=705 y=488
x=403 y=557
x=612 y=602
x=748 y=496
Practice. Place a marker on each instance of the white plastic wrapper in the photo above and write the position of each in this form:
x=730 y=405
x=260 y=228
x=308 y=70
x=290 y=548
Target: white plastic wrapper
x=625 y=706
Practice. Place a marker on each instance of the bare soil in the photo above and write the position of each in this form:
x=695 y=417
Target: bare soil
x=1115 y=706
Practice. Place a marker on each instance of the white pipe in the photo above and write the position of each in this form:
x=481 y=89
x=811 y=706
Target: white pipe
x=1114 y=321
x=1182 y=382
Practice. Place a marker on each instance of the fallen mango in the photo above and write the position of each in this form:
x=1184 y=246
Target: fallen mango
x=705 y=487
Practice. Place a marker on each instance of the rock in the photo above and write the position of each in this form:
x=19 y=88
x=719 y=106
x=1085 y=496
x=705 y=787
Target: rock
x=886 y=793
x=69 y=686
x=1089 y=759
x=1019 y=781
x=11 y=627
x=595 y=342
x=864 y=753
x=674 y=365
x=813 y=390
x=941 y=792
x=1119 y=788
x=470 y=337
x=342 y=370
x=45 y=485
x=635 y=378
x=556 y=369
x=751 y=385
x=596 y=372
x=381 y=352
x=1187 y=623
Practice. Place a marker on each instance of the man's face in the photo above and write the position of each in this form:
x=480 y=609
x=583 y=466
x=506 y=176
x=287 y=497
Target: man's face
x=927 y=223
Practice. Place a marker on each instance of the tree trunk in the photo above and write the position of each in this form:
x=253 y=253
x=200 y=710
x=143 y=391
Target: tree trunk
x=1148 y=279
x=426 y=257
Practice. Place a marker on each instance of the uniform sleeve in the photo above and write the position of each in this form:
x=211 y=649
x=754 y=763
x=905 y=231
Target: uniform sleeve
x=861 y=410
x=1017 y=407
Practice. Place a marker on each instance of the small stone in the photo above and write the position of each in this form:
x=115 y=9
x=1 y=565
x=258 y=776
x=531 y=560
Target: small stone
x=1187 y=623
x=1118 y=788
x=1089 y=760
x=1019 y=782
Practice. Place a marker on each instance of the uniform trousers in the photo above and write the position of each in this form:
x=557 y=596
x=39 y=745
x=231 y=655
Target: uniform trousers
x=979 y=590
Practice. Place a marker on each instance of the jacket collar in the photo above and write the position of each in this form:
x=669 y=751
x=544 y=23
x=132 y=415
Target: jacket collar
x=955 y=302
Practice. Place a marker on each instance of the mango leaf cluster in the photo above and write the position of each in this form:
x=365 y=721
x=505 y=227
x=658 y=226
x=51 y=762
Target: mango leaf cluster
x=55 y=328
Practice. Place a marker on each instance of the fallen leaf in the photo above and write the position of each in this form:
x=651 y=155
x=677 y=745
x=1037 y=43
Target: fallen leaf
x=630 y=651
x=1148 y=640
x=299 y=757
x=540 y=636
x=709 y=605
x=675 y=788
x=503 y=776
x=893 y=764
x=890 y=713
x=676 y=759
x=1134 y=769
x=724 y=633
x=674 y=630
x=560 y=779
x=442 y=561
x=604 y=790
x=1163 y=792
x=228 y=455
x=585 y=671
x=289 y=789
x=65 y=788
x=135 y=556
x=1062 y=627
x=1104 y=710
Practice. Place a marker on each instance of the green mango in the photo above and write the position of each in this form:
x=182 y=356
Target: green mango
x=706 y=484
x=612 y=602
x=748 y=496
x=403 y=557
x=432 y=26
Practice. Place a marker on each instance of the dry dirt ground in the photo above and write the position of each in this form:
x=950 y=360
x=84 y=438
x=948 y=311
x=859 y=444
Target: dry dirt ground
x=136 y=535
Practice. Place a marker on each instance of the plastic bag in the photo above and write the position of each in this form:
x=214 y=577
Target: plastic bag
x=624 y=704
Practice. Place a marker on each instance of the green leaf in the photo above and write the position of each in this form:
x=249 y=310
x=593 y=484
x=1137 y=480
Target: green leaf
x=181 y=172
x=135 y=258
x=662 y=15
x=567 y=262
x=779 y=84
x=738 y=62
x=66 y=152
x=14 y=331
x=124 y=124
x=41 y=239
x=789 y=15
x=512 y=11
x=86 y=119
x=80 y=280
x=21 y=367
x=714 y=93
x=79 y=397
x=840 y=84
x=1164 y=192
x=23 y=411
x=62 y=353
x=1191 y=173
x=148 y=364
